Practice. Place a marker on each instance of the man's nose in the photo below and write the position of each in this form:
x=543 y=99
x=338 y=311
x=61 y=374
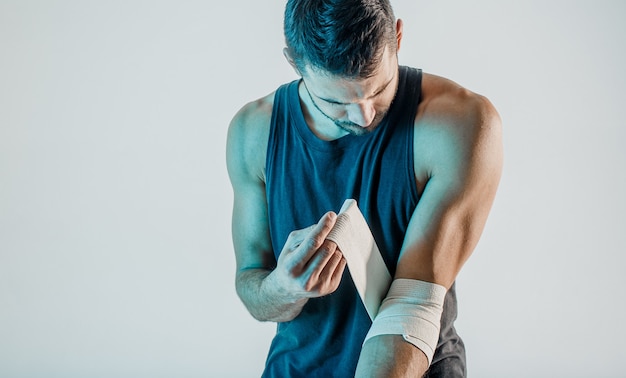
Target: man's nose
x=362 y=114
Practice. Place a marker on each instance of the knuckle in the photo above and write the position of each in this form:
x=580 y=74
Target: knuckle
x=309 y=285
x=293 y=272
x=312 y=242
x=317 y=240
x=325 y=252
x=293 y=237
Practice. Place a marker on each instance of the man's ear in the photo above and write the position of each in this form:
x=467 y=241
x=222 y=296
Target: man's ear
x=292 y=63
x=399 y=25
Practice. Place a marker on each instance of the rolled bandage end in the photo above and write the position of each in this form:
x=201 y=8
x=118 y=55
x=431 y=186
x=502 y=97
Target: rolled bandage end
x=413 y=310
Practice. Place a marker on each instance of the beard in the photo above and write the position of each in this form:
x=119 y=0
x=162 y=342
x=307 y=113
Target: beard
x=357 y=130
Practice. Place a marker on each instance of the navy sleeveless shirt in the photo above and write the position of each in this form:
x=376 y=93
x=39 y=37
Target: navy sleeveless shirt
x=305 y=178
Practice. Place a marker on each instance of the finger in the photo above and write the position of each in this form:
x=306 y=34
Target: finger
x=338 y=273
x=326 y=277
x=315 y=238
x=321 y=259
x=296 y=238
x=328 y=271
x=323 y=227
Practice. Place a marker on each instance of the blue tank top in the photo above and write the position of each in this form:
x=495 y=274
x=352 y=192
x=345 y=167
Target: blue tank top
x=305 y=178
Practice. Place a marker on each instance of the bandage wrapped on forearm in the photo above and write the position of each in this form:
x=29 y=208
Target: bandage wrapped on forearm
x=412 y=309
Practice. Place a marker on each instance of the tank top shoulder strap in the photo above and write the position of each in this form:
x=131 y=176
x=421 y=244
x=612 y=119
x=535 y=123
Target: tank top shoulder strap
x=279 y=120
x=410 y=86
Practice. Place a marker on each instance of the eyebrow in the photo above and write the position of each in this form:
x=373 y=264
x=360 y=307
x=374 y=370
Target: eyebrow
x=379 y=91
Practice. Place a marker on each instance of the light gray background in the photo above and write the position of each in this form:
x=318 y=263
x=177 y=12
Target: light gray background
x=115 y=250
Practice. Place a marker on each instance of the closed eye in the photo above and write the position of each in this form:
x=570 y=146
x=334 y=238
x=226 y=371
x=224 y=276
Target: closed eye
x=334 y=103
x=376 y=94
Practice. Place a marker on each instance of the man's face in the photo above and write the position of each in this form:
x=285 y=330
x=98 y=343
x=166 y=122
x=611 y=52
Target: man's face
x=357 y=106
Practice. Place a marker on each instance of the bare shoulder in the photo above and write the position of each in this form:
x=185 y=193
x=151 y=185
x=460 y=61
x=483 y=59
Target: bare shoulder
x=248 y=134
x=455 y=128
x=442 y=97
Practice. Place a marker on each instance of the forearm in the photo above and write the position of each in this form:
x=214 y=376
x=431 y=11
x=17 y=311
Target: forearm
x=390 y=356
x=264 y=299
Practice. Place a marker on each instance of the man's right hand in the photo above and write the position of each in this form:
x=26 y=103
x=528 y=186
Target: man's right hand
x=309 y=266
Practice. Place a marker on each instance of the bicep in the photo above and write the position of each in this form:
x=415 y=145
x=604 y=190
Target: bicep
x=450 y=216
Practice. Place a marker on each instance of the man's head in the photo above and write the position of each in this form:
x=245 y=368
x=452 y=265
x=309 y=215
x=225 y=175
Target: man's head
x=343 y=38
x=346 y=53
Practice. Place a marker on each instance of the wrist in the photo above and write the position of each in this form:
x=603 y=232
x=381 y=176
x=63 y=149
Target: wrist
x=275 y=288
x=281 y=305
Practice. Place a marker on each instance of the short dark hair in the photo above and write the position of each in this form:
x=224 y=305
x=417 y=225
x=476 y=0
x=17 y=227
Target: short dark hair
x=341 y=37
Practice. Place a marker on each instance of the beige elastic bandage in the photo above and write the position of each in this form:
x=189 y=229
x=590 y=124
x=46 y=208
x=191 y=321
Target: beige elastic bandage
x=366 y=265
x=412 y=309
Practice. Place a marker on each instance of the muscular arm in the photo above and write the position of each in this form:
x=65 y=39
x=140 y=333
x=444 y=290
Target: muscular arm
x=460 y=157
x=309 y=266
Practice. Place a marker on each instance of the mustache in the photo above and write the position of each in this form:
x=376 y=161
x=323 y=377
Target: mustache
x=346 y=124
x=356 y=129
